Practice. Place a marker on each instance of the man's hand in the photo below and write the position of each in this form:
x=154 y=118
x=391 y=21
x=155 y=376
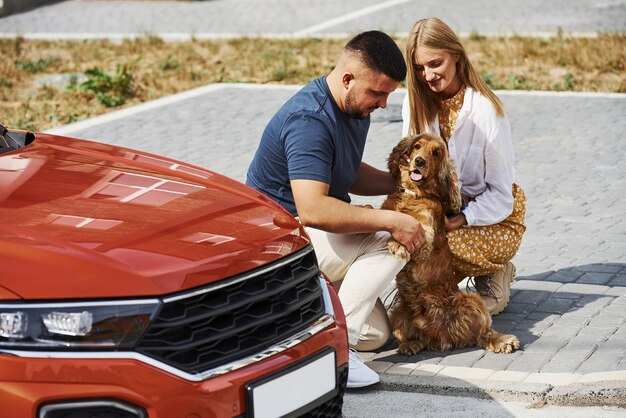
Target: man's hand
x=407 y=231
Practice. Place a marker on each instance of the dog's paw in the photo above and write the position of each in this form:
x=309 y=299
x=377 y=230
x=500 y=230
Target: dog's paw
x=504 y=344
x=429 y=234
x=410 y=348
x=398 y=250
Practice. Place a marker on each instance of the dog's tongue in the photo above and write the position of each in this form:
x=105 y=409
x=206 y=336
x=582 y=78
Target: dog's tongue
x=415 y=176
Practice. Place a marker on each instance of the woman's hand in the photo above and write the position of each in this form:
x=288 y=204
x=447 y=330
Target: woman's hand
x=455 y=222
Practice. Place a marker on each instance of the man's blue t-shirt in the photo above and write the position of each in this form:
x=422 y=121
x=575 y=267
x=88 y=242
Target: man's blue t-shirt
x=309 y=138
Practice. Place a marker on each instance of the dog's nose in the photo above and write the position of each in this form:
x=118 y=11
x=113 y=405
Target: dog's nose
x=420 y=162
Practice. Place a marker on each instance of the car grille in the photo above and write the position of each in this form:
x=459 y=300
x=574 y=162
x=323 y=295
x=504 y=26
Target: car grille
x=242 y=316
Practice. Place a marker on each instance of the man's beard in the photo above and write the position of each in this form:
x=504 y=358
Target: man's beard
x=350 y=107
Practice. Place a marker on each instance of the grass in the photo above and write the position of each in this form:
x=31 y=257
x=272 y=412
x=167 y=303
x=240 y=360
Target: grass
x=44 y=84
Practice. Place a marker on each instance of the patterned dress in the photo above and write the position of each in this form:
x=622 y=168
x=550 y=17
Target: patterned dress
x=482 y=250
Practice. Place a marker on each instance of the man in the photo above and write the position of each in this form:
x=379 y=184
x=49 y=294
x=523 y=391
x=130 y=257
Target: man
x=309 y=159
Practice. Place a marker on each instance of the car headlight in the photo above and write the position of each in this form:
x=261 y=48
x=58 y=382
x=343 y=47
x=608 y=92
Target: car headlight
x=101 y=325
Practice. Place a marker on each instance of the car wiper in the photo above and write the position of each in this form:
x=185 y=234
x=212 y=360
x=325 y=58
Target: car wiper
x=10 y=141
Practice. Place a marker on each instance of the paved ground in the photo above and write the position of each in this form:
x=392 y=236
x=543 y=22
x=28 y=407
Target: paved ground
x=569 y=301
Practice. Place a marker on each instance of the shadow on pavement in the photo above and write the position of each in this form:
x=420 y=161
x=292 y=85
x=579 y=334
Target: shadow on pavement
x=568 y=321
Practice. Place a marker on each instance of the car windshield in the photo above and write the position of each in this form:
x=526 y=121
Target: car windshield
x=12 y=140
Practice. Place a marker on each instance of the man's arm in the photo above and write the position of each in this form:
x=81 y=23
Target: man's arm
x=318 y=210
x=372 y=182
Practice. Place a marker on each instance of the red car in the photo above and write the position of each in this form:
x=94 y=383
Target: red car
x=134 y=285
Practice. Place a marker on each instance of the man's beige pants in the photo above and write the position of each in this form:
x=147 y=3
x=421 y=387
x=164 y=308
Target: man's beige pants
x=360 y=267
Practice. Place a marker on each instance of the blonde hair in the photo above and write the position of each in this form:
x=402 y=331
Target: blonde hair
x=424 y=103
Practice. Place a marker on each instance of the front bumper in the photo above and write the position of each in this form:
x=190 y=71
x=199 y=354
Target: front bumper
x=30 y=383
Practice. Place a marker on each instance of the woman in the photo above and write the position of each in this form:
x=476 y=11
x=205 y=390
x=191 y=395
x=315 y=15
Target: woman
x=447 y=97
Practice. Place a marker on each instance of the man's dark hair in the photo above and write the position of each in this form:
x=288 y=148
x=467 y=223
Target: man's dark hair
x=380 y=53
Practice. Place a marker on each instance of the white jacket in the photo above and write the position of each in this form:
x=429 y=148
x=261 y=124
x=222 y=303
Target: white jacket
x=482 y=150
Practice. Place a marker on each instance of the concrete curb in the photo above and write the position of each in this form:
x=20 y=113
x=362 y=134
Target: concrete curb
x=599 y=393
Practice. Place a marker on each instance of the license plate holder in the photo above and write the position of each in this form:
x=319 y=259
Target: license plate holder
x=294 y=389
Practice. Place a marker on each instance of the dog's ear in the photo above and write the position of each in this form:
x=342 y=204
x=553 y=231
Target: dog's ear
x=399 y=155
x=449 y=187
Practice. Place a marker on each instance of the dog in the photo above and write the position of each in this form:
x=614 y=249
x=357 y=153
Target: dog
x=429 y=311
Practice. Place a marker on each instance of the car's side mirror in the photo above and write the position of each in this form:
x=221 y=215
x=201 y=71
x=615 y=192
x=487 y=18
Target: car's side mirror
x=11 y=140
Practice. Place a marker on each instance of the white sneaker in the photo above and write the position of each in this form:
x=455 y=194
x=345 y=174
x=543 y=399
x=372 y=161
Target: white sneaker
x=359 y=375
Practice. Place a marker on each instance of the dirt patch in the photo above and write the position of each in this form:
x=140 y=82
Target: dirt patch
x=88 y=78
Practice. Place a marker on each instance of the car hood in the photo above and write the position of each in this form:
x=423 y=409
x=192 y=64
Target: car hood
x=82 y=219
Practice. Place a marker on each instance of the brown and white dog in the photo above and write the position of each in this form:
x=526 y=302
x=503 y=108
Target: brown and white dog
x=430 y=312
